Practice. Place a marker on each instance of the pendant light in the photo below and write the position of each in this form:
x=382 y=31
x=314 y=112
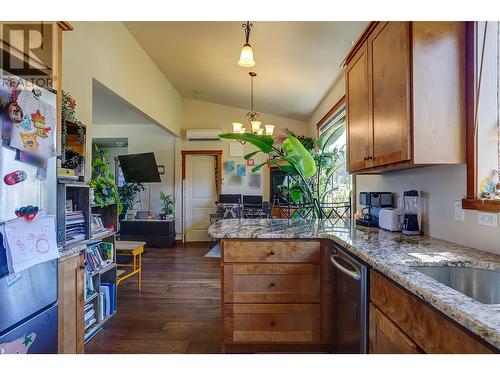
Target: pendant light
x=246 y=56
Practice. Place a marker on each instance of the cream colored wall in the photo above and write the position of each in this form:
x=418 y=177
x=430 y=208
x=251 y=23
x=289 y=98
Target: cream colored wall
x=329 y=100
x=107 y=52
x=146 y=138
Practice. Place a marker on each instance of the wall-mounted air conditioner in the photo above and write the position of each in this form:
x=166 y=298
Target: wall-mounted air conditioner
x=203 y=135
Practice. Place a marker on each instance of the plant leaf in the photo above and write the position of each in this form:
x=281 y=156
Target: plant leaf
x=302 y=157
x=249 y=156
x=258 y=167
x=331 y=135
x=263 y=142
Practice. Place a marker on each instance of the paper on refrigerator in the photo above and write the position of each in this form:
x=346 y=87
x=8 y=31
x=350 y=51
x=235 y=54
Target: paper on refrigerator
x=29 y=243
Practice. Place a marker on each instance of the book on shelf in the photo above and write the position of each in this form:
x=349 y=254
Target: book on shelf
x=109 y=296
x=89 y=287
x=75 y=226
x=96 y=225
x=92 y=331
x=95 y=258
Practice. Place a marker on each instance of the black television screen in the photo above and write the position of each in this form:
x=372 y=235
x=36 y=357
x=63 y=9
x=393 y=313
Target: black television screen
x=139 y=167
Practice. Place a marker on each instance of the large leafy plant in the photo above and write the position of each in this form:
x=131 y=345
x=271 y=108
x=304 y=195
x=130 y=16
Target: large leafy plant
x=308 y=171
x=168 y=203
x=128 y=193
x=103 y=181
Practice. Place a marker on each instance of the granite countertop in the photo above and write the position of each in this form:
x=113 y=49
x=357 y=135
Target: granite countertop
x=391 y=254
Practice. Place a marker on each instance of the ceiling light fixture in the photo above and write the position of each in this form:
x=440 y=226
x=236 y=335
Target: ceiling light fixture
x=253 y=117
x=246 y=56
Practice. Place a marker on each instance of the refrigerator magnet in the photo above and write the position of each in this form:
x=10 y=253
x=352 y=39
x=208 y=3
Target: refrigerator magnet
x=14 y=177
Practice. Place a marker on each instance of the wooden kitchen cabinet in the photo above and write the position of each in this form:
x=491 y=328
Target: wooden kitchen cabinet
x=405 y=90
x=358 y=113
x=386 y=337
x=70 y=304
x=402 y=323
x=275 y=296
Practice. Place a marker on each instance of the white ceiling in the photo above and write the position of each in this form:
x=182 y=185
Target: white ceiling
x=296 y=62
x=109 y=108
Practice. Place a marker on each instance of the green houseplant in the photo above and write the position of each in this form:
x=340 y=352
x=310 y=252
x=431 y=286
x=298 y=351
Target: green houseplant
x=168 y=204
x=308 y=170
x=128 y=193
x=103 y=181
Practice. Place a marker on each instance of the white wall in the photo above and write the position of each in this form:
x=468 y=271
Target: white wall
x=107 y=52
x=146 y=138
x=329 y=100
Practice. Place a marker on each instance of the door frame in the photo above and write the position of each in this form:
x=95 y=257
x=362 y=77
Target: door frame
x=218 y=176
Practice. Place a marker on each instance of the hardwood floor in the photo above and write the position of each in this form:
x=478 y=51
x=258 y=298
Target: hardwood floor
x=177 y=310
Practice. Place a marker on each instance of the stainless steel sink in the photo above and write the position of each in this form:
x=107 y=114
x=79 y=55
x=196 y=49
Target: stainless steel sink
x=481 y=285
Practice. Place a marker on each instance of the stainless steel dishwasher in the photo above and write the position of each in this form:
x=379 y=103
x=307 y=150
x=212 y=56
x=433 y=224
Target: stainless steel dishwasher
x=350 y=302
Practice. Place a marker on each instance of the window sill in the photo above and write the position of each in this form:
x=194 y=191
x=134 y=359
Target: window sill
x=481 y=205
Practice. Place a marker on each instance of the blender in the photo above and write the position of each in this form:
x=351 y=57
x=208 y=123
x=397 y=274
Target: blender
x=411 y=210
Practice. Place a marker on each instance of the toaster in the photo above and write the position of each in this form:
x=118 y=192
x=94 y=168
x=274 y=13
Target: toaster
x=390 y=219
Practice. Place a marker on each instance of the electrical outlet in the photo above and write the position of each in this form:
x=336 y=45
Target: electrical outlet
x=487 y=218
x=459 y=212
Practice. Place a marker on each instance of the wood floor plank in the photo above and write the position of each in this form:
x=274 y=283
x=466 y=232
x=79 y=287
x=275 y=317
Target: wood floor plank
x=177 y=311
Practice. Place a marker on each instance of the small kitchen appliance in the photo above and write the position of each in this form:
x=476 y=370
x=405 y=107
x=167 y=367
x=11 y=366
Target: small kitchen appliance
x=372 y=202
x=411 y=209
x=390 y=219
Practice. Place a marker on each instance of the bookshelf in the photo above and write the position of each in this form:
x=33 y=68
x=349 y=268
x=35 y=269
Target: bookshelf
x=73 y=214
x=100 y=270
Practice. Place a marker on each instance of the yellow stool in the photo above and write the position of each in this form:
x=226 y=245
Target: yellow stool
x=130 y=248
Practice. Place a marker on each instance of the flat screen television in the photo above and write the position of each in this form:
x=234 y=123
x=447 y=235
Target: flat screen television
x=139 y=167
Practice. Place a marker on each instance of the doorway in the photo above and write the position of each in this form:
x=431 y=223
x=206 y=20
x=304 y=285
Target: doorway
x=201 y=185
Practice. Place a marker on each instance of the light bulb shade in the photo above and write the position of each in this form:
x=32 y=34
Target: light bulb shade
x=260 y=131
x=246 y=56
x=243 y=130
x=269 y=129
x=255 y=125
x=237 y=127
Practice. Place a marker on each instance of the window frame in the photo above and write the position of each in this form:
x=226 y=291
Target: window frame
x=472 y=202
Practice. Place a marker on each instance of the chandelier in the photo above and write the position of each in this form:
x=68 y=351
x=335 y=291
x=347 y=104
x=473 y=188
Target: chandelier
x=253 y=117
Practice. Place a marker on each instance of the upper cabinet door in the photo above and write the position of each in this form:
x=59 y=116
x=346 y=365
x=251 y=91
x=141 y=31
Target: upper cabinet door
x=358 y=110
x=389 y=50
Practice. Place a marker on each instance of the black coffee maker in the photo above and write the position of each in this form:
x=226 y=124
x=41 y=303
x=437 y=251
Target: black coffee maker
x=372 y=202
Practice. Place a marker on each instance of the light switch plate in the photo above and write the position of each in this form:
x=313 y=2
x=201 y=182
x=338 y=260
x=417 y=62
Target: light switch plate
x=489 y=219
x=459 y=212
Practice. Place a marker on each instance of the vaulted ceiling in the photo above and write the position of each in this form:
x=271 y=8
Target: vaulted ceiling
x=296 y=62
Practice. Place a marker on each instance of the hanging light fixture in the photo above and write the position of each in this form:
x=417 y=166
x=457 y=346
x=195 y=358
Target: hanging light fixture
x=253 y=117
x=246 y=56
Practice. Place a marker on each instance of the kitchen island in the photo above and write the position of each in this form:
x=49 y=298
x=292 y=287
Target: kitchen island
x=249 y=244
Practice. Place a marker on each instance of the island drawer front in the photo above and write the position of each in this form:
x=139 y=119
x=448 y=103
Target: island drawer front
x=429 y=329
x=271 y=283
x=272 y=323
x=271 y=251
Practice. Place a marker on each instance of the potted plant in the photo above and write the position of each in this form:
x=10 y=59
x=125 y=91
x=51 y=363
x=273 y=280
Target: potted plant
x=308 y=167
x=168 y=205
x=128 y=193
x=103 y=181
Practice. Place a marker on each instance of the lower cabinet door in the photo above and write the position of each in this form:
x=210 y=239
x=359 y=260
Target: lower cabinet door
x=272 y=323
x=70 y=305
x=386 y=338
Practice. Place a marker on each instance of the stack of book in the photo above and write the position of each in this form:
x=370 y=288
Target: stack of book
x=95 y=259
x=107 y=298
x=89 y=317
x=75 y=226
x=96 y=226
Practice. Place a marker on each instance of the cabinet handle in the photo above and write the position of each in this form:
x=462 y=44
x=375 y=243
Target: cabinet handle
x=368 y=158
x=273 y=323
x=272 y=252
x=272 y=285
x=83 y=265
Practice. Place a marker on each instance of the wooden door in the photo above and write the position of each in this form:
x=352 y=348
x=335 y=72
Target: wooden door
x=200 y=195
x=359 y=128
x=389 y=58
x=386 y=338
x=70 y=305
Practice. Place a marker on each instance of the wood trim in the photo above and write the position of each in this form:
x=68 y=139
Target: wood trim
x=470 y=99
x=359 y=42
x=334 y=109
x=64 y=26
x=472 y=202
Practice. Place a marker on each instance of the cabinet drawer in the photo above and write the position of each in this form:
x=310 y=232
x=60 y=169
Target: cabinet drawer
x=265 y=323
x=271 y=251
x=271 y=283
